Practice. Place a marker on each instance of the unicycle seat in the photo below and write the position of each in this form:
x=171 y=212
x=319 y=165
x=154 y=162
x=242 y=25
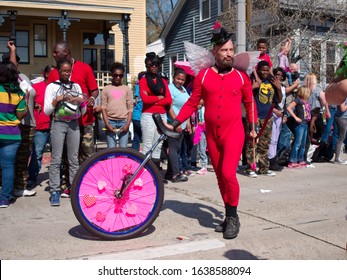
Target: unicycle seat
x=162 y=128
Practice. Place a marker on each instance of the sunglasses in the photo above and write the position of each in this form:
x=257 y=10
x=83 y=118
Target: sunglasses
x=63 y=71
x=118 y=75
x=155 y=64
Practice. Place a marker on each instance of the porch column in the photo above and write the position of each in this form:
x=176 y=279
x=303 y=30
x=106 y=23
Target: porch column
x=126 y=19
x=106 y=36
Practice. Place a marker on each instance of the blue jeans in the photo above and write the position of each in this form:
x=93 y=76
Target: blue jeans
x=289 y=77
x=202 y=145
x=8 y=152
x=327 y=129
x=174 y=147
x=297 y=154
x=185 y=152
x=111 y=137
x=41 y=138
x=137 y=135
x=284 y=139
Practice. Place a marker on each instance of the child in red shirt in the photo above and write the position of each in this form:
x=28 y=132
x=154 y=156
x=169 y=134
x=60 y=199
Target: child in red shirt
x=262 y=46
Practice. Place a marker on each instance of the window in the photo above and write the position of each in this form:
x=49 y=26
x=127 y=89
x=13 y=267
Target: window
x=223 y=6
x=110 y=59
x=40 y=40
x=90 y=57
x=95 y=49
x=316 y=58
x=22 y=45
x=97 y=39
x=3 y=45
x=330 y=61
x=205 y=9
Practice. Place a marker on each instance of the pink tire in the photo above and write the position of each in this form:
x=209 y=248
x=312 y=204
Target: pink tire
x=93 y=194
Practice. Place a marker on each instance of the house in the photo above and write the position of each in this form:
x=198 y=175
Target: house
x=315 y=40
x=99 y=32
x=190 y=21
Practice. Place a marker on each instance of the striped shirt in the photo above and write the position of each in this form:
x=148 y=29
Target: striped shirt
x=9 y=105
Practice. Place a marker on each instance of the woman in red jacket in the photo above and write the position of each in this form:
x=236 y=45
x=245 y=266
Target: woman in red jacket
x=156 y=98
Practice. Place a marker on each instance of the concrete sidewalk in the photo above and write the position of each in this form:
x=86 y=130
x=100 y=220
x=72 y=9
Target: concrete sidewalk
x=297 y=215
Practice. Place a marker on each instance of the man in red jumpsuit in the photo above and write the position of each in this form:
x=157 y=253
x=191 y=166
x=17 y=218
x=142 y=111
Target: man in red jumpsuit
x=223 y=89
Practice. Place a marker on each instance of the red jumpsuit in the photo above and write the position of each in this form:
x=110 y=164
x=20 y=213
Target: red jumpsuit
x=223 y=95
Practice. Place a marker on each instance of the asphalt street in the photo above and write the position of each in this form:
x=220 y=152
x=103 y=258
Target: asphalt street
x=297 y=215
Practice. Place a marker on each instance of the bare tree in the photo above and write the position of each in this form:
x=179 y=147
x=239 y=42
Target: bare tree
x=157 y=15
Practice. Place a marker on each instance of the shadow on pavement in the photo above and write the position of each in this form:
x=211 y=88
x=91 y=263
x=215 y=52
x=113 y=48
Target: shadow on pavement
x=81 y=233
x=240 y=255
x=207 y=216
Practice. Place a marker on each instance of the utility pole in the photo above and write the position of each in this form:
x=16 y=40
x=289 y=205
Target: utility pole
x=241 y=26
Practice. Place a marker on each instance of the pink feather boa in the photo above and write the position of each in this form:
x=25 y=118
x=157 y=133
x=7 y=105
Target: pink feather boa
x=199 y=129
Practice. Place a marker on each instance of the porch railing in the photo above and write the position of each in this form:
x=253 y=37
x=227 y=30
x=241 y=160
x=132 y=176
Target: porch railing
x=102 y=78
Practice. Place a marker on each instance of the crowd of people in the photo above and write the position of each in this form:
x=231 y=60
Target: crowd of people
x=283 y=122
x=58 y=110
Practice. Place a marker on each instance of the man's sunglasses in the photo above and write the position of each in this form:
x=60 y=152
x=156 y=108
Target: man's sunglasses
x=117 y=75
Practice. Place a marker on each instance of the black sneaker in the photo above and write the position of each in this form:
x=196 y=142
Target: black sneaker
x=221 y=227
x=276 y=167
x=179 y=178
x=232 y=227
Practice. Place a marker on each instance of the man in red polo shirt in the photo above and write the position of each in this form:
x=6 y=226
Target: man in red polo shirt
x=83 y=75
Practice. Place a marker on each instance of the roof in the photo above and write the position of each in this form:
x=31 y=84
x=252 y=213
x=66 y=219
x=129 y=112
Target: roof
x=61 y=5
x=175 y=13
x=157 y=47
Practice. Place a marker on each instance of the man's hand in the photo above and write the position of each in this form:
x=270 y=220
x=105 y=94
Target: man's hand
x=253 y=134
x=170 y=127
x=11 y=46
x=38 y=107
x=91 y=101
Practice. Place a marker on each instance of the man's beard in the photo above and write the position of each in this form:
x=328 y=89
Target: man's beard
x=224 y=63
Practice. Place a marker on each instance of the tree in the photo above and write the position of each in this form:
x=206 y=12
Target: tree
x=311 y=23
x=157 y=15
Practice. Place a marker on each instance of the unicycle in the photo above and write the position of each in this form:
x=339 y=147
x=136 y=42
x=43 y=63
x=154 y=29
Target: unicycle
x=118 y=192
